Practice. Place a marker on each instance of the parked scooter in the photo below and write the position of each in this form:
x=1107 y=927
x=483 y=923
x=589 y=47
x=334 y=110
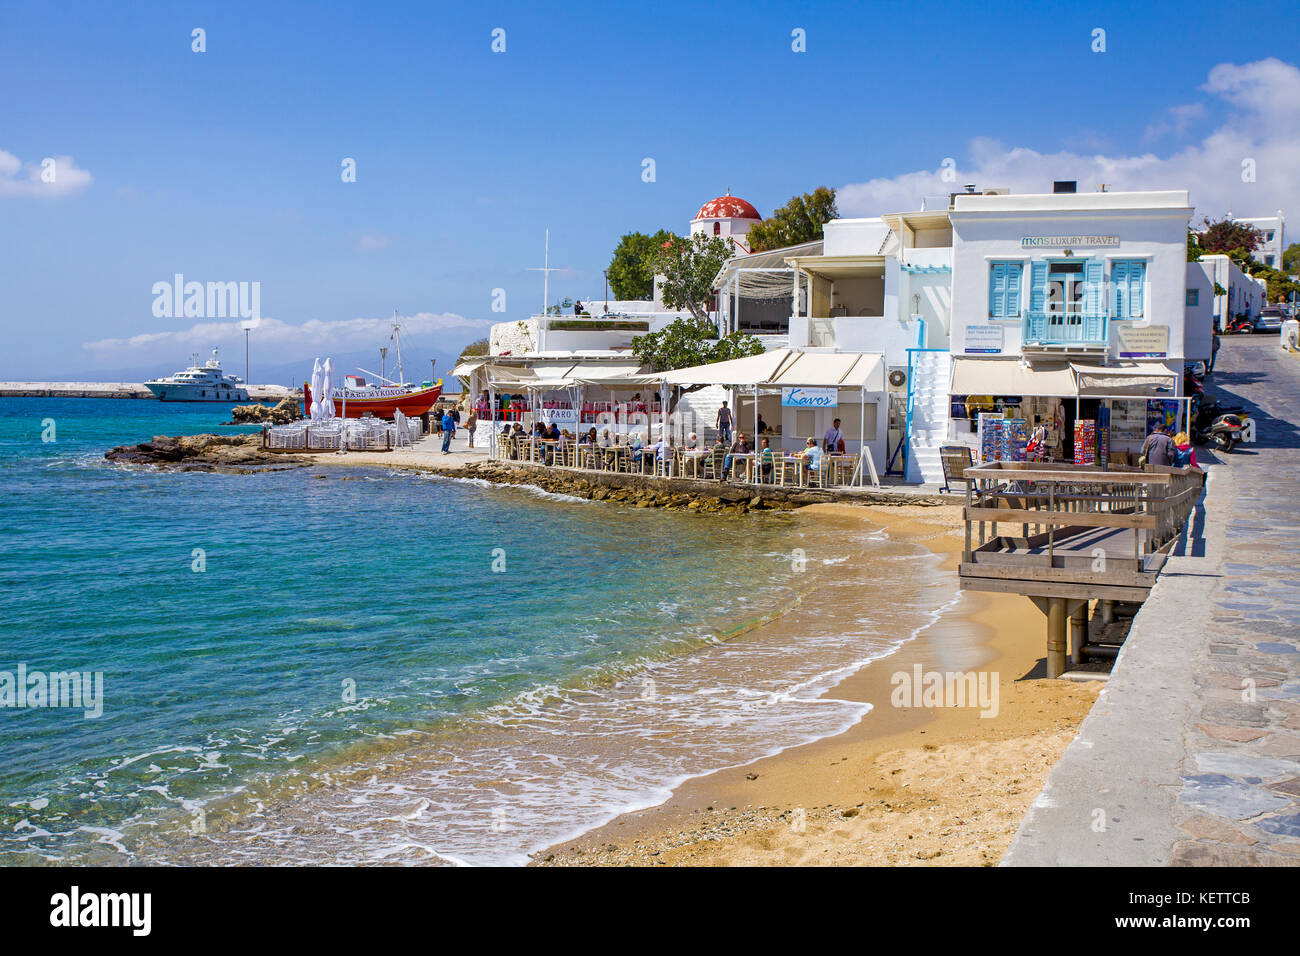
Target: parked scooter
x=1212 y=425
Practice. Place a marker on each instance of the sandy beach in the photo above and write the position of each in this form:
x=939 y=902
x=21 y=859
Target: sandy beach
x=906 y=785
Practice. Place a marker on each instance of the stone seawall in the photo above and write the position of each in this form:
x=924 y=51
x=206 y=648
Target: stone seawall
x=644 y=491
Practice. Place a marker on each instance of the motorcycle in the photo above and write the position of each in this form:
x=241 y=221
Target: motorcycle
x=1223 y=431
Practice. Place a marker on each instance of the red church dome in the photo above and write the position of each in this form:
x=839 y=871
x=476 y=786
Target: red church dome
x=727 y=207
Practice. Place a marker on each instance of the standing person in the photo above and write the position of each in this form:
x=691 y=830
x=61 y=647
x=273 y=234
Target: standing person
x=448 y=430
x=723 y=423
x=833 y=440
x=1186 y=453
x=1159 y=448
x=471 y=423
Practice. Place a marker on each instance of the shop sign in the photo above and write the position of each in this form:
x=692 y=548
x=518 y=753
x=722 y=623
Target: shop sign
x=1141 y=341
x=799 y=397
x=983 y=340
x=1069 y=242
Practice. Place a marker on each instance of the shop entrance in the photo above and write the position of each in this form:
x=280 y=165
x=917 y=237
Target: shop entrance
x=1089 y=410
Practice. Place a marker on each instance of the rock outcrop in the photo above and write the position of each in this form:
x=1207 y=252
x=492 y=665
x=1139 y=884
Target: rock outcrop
x=238 y=454
x=287 y=411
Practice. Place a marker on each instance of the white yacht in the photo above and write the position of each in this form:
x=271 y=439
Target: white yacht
x=200 y=383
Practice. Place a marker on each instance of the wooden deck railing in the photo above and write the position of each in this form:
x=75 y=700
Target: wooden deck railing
x=1045 y=497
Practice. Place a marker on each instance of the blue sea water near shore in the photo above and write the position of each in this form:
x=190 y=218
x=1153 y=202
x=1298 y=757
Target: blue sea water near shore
x=331 y=665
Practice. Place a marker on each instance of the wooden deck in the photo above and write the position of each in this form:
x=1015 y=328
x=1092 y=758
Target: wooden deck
x=1077 y=534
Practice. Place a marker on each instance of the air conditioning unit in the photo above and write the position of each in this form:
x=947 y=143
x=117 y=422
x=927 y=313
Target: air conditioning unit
x=897 y=378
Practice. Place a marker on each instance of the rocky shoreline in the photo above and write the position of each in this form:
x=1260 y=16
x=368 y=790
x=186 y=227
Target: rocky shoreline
x=244 y=454
x=230 y=454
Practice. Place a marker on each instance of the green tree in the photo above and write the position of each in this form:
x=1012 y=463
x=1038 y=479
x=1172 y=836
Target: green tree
x=1291 y=258
x=475 y=349
x=689 y=267
x=1227 y=235
x=632 y=268
x=1194 y=250
x=799 y=220
x=684 y=343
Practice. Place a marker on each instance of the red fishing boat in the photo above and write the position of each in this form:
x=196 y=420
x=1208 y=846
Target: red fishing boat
x=381 y=399
x=356 y=398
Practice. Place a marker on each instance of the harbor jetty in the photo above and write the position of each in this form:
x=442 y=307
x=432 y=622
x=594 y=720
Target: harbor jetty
x=256 y=393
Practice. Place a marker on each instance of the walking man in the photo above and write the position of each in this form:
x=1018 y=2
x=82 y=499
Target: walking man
x=448 y=430
x=723 y=424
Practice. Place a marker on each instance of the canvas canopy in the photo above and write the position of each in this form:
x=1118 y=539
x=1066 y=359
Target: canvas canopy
x=753 y=370
x=468 y=367
x=1130 y=379
x=827 y=369
x=973 y=376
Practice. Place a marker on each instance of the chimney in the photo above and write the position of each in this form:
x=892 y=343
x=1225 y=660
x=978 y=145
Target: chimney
x=1065 y=186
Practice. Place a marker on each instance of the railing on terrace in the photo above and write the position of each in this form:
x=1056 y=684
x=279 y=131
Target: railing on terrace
x=1055 y=328
x=1154 y=504
x=589 y=413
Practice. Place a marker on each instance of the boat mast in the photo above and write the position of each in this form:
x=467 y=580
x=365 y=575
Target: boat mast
x=397 y=340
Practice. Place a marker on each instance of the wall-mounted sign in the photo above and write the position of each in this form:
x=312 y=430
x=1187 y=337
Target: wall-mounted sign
x=983 y=340
x=797 y=397
x=1141 y=341
x=560 y=416
x=1072 y=242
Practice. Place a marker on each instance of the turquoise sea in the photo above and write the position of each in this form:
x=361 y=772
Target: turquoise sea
x=335 y=665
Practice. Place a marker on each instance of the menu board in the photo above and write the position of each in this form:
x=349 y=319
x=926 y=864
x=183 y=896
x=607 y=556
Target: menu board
x=1128 y=421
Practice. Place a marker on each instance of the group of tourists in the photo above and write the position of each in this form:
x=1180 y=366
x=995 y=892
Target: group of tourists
x=1160 y=449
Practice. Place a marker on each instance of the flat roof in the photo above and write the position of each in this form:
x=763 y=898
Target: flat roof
x=1171 y=199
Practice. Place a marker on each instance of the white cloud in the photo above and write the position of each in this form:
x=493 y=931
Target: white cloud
x=1262 y=126
x=1175 y=121
x=371 y=241
x=51 y=177
x=312 y=335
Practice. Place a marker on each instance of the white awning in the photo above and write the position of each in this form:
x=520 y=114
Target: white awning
x=467 y=368
x=612 y=376
x=1126 y=380
x=979 y=376
x=827 y=369
x=753 y=370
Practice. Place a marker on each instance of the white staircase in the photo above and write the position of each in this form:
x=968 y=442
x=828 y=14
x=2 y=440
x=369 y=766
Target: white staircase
x=931 y=374
x=697 y=411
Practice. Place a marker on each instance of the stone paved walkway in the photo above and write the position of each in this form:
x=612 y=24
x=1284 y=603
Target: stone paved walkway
x=1191 y=755
x=1240 y=799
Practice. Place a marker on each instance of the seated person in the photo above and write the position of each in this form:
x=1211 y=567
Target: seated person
x=812 y=453
x=738 y=447
x=554 y=433
x=692 y=443
x=766 y=460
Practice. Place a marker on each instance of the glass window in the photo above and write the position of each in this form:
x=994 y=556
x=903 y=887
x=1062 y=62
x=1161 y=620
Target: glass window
x=1193 y=296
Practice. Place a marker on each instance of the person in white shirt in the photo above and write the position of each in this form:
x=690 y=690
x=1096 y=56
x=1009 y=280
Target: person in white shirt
x=833 y=440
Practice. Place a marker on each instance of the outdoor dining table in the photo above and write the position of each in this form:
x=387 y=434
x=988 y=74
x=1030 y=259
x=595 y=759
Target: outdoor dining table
x=613 y=454
x=694 y=456
x=839 y=468
x=745 y=459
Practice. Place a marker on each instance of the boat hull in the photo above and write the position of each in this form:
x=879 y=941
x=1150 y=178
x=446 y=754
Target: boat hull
x=383 y=406
x=190 y=393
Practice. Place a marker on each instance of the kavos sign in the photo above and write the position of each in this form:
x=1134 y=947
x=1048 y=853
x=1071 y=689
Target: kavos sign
x=810 y=397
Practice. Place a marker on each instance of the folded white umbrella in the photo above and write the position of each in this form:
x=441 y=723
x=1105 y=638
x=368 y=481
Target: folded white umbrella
x=314 y=412
x=326 y=391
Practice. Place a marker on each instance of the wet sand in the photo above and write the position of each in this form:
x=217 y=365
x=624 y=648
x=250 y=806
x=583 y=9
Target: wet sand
x=906 y=785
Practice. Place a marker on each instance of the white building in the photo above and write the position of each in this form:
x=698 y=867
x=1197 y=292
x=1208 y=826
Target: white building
x=1272 y=241
x=1073 y=307
x=1233 y=294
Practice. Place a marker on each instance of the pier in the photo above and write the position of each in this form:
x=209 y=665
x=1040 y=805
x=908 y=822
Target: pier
x=1077 y=534
x=256 y=393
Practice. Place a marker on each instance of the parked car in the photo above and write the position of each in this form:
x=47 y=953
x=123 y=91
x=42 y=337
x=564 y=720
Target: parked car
x=1270 y=318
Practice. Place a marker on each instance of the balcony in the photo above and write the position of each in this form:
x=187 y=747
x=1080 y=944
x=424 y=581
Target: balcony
x=1065 y=332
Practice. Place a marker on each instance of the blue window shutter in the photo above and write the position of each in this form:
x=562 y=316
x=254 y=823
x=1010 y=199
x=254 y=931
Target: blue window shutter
x=1013 y=290
x=1136 y=276
x=1038 y=287
x=1119 y=282
x=1094 y=275
x=997 y=289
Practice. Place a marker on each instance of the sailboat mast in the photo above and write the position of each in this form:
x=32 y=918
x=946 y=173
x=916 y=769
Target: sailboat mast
x=397 y=340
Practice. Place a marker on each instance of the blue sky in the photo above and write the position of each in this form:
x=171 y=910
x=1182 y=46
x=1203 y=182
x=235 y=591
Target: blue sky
x=225 y=165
